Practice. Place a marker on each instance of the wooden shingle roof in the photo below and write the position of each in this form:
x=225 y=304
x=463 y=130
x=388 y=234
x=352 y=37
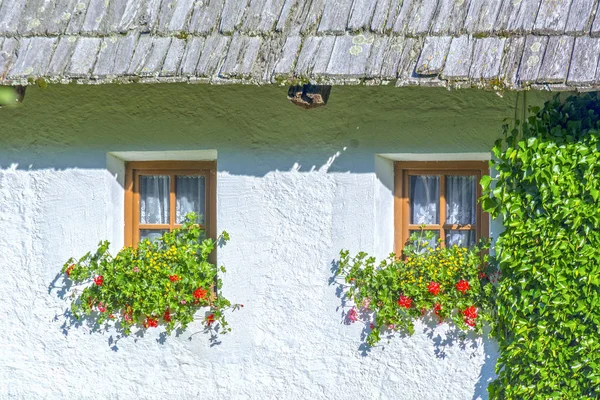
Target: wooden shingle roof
x=513 y=44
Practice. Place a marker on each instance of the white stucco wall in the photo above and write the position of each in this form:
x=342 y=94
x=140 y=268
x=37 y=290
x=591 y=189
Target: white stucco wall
x=290 y=198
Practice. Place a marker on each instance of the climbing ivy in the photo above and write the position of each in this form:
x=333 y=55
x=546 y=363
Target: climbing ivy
x=548 y=300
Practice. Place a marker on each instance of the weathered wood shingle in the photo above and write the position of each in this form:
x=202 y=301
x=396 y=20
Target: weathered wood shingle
x=212 y=56
x=241 y=56
x=433 y=56
x=556 y=60
x=458 y=61
x=421 y=17
x=34 y=57
x=349 y=56
x=450 y=17
x=232 y=14
x=8 y=55
x=287 y=59
x=510 y=44
x=531 y=61
x=482 y=16
x=191 y=55
x=586 y=53
x=10 y=16
x=487 y=58
x=361 y=14
x=552 y=17
x=335 y=16
x=114 y=55
x=580 y=16
x=84 y=57
x=62 y=55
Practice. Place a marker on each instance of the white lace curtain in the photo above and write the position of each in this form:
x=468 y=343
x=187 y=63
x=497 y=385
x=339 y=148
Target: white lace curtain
x=424 y=199
x=190 y=195
x=460 y=209
x=460 y=200
x=154 y=199
x=460 y=204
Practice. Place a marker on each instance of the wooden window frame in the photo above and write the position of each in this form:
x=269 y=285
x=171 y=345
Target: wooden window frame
x=404 y=169
x=135 y=169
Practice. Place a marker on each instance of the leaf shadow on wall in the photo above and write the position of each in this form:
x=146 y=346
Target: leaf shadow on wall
x=466 y=342
x=452 y=336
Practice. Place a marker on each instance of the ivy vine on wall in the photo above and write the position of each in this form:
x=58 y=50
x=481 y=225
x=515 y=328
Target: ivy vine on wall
x=548 y=300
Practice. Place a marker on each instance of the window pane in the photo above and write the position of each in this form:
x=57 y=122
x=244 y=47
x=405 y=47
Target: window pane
x=190 y=194
x=154 y=199
x=423 y=244
x=151 y=234
x=424 y=199
x=460 y=200
x=460 y=238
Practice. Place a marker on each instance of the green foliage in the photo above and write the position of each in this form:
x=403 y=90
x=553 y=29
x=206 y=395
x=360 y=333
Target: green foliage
x=8 y=97
x=160 y=282
x=548 y=300
x=450 y=282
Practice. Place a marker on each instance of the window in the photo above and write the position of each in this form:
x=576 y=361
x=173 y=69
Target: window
x=442 y=197
x=158 y=195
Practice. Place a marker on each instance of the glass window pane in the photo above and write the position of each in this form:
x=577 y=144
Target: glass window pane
x=460 y=238
x=460 y=200
x=152 y=234
x=190 y=193
x=424 y=199
x=422 y=243
x=154 y=199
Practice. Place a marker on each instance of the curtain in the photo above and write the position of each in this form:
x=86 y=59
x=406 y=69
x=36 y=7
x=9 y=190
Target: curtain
x=460 y=238
x=154 y=199
x=424 y=199
x=460 y=209
x=460 y=200
x=190 y=195
x=153 y=234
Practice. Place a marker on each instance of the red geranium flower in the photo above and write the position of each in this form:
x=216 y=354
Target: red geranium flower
x=174 y=278
x=482 y=275
x=470 y=312
x=433 y=288
x=405 y=301
x=463 y=286
x=128 y=317
x=69 y=269
x=352 y=315
x=437 y=308
x=150 y=322
x=210 y=319
x=101 y=307
x=99 y=280
x=167 y=316
x=200 y=293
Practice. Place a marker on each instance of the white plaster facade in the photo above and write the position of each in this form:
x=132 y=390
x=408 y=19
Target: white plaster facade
x=290 y=202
